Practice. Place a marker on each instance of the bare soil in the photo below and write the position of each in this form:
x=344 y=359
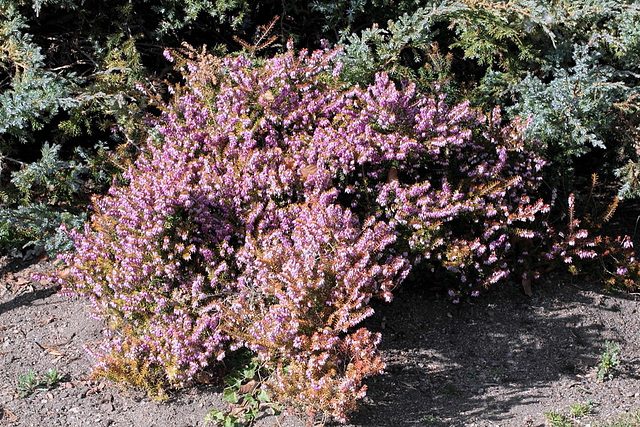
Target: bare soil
x=502 y=359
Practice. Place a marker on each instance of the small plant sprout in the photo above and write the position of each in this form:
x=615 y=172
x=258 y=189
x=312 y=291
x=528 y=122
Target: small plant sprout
x=31 y=382
x=52 y=377
x=609 y=359
x=556 y=419
x=27 y=383
x=246 y=398
x=562 y=419
x=582 y=409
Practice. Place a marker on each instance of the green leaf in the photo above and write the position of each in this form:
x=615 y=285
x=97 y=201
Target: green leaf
x=251 y=414
x=231 y=421
x=263 y=396
x=249 y=372
x=234 y=380
x=214 y=415
x=229 y=395
x=249 y=400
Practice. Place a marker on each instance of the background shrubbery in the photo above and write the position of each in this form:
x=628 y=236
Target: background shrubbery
x=256 y=199
x=570 y=66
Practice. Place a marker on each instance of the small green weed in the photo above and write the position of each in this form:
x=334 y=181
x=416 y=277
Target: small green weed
x=582 y=409
x=577 y=410
x=609 y=359
x=30 y=382
x=52 y=377
x=557 y=419
x=27 y=383
x=246 y=397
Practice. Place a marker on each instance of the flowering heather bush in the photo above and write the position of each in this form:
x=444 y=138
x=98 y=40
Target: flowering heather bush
x=273 y=202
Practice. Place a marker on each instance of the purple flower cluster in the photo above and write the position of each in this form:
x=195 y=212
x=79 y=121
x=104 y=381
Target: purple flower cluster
x=273 y=202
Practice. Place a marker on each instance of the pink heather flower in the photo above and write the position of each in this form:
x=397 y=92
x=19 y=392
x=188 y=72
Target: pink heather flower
x=621 y=271
x=528 y=234
x=167 y=55
x=582 y=234
x=587 y=254
x=497 y=276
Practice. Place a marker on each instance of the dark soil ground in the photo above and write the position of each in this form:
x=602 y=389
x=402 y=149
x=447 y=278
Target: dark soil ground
x=502 y=359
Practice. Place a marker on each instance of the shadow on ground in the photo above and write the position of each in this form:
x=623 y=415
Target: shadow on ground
x=27 y=298
x=496 y=360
